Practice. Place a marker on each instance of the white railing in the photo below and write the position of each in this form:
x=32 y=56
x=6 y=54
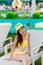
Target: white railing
x=3 y=48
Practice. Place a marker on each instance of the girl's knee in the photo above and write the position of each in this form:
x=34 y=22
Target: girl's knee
x=27 y=57
x=24 y=58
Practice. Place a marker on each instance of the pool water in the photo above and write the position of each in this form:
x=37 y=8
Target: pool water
x=23 y=21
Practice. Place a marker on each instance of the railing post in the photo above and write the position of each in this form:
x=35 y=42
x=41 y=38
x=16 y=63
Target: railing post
x=42 y=58
x=32 y=56
x=5 y=48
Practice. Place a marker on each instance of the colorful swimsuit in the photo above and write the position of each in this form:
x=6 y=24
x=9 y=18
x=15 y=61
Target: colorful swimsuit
x=22 y=46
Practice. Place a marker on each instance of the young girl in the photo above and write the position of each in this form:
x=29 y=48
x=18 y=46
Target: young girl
x=21 y=41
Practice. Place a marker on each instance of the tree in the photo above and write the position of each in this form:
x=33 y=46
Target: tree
x=3 y=1
x=6 y=1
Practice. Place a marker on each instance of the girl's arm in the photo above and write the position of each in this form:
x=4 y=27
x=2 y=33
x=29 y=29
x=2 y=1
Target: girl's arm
x=13 y=47
x=29 y=47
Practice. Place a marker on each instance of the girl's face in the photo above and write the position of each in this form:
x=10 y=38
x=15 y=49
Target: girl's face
x=22 y=30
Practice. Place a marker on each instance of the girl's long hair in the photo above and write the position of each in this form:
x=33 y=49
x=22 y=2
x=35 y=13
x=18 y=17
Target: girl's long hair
x=20 y=39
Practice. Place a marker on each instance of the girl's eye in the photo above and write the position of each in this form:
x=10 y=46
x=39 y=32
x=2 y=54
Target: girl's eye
x=22 y=28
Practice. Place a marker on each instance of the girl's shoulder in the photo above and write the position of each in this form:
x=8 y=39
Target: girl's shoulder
x=15 y=40
x=28 y=34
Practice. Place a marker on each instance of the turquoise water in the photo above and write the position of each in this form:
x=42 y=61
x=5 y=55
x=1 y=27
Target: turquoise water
x=23 y=21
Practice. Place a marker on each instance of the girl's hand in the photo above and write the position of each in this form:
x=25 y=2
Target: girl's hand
x=29 y=54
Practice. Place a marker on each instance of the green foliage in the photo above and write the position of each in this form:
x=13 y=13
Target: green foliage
x=40 y=49
x=10 y=15
x=36 y=15
x=16 y=15
x=1 y=17
x=3 y=1
x=41 y=12
x=38 y=62
x=1 y=54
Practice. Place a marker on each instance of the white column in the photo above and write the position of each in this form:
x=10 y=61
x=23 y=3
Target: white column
x=33 y=7
x=42 y=59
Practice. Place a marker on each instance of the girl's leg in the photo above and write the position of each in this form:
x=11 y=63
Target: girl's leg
x=21 y=58
x=28 y=60
x=24 y=60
